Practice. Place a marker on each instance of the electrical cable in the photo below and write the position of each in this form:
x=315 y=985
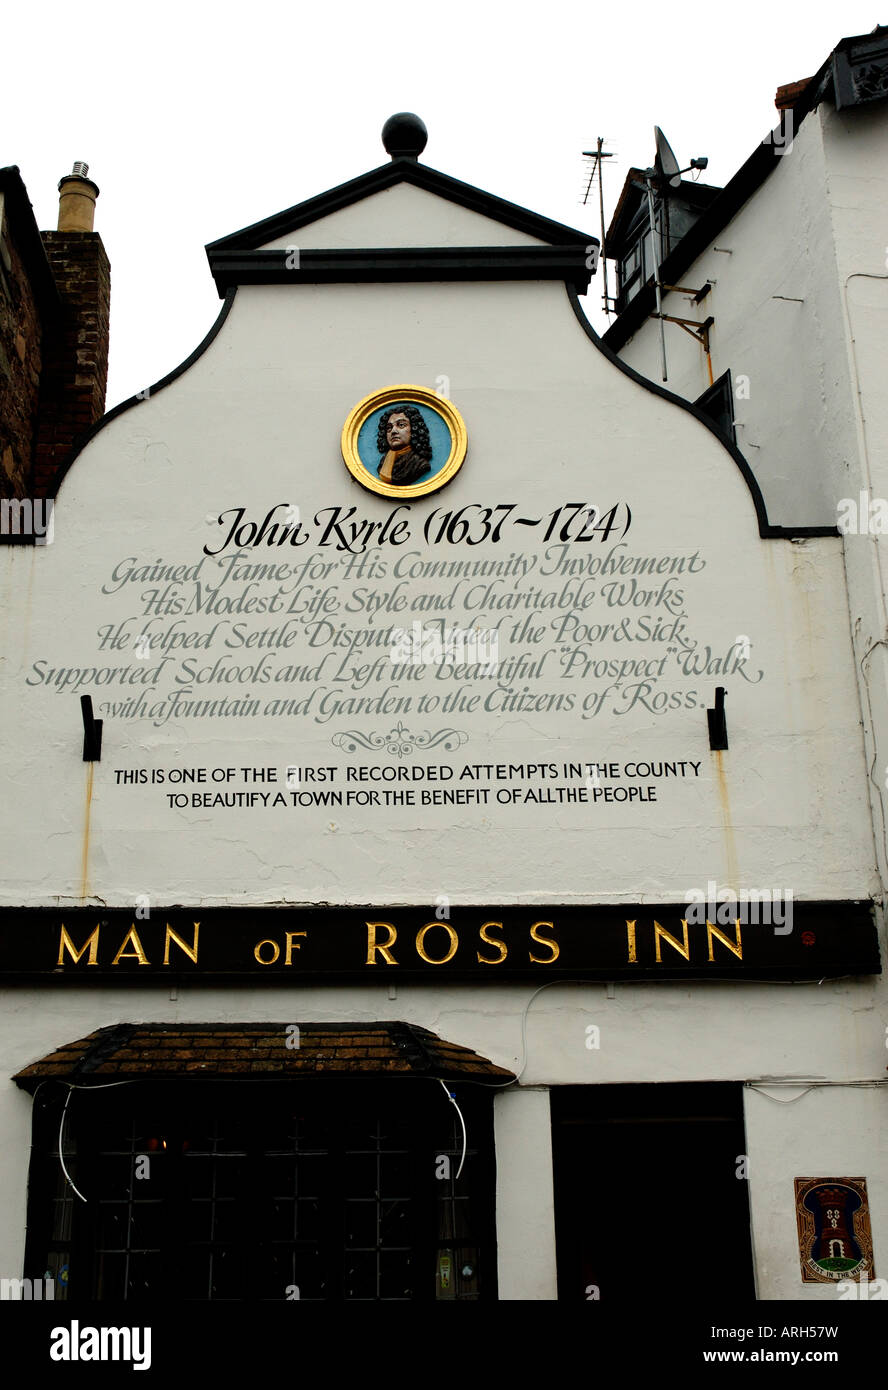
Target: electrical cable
x=868 y=479
x=72 y=1087
x=452 y=1098
x=807 y=1087
x=68 y=1177
x=102 y=1086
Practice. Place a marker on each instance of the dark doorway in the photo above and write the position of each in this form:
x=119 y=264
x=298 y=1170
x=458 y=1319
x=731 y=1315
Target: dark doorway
x=650 y=1182
x=316 y=1190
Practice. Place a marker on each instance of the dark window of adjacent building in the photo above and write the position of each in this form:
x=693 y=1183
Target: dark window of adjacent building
x=650 y=1185
x=718 y=404
x=630 y=243
x=637 y=264
x=631 y=279
x=264 y=1191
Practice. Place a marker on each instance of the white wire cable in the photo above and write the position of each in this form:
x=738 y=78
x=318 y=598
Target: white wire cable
x=499 y=1085
x=72 y=1087
x=452 y=1098
x=68 y=1177
x=103 y=1085
x=805 y=1087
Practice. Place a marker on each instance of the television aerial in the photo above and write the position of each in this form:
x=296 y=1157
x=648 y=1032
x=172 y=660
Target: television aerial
x=598 y=155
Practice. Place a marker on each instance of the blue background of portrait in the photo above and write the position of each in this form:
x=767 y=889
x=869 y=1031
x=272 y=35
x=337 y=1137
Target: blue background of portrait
x=439 y=435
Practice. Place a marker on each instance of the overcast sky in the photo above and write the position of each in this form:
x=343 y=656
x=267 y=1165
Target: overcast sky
x=199 y=119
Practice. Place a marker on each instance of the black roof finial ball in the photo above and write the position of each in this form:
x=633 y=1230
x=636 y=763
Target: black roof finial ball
x=404 y=135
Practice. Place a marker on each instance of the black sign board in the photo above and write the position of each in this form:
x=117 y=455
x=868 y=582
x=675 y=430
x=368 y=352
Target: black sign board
x=669 y=941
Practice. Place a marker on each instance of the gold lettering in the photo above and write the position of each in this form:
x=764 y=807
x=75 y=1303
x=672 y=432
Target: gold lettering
x=137 y=953
x=661 y=932
x=292 y=945
x=420 y=938
x=632 y=958
x=492 y=941
x=383 y=946
x=544 y=941
x=257 y=951
x=174 y=936
x=712 y=931
x=66 y=944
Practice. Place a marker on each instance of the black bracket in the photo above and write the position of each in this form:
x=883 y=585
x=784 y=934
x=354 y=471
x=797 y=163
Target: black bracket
x=92 y=732
x=718 y=728
x=700 y=331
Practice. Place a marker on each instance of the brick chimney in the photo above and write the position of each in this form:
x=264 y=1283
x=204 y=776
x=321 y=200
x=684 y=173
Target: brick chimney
x=790 y=93
x=75 y=359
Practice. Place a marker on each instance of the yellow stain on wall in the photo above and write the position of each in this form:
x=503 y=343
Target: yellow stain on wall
x=727 y=823
x=84 y=868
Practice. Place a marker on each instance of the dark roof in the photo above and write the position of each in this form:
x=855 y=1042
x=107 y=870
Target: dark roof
x=399 y=170
x=855 y=72
x=156 y=1051
x=237 y=259
x=28 y=241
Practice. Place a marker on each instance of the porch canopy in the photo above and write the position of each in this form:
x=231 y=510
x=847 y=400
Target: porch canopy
x=228 y=1051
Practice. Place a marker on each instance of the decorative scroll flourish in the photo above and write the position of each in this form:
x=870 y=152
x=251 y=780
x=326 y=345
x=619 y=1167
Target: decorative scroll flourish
x=399 y=741
x=871 y=81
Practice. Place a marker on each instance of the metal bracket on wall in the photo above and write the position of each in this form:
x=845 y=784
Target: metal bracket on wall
x=700 y=331
x=718 y=727
x=92 y=732
x=696 y=295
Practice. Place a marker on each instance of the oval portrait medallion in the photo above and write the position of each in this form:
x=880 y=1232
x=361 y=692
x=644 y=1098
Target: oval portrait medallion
x=404 y=441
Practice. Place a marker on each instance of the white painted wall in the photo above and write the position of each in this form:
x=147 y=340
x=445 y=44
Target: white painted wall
x=255 y=422
x=847 y=1130
x=816 y=410
x=399 y=216
x=814 y=427
x=525 y=1210
x=855 y=144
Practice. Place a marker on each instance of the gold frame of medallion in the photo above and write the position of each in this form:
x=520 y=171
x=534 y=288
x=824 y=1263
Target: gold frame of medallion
x=409 y=395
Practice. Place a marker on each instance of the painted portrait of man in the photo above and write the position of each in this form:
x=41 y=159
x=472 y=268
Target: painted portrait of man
x=403 y=442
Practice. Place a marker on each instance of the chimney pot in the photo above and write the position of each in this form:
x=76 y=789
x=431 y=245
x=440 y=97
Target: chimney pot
x=77 y=200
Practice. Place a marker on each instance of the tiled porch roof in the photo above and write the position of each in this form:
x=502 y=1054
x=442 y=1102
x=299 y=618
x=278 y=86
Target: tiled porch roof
x=150 y=1051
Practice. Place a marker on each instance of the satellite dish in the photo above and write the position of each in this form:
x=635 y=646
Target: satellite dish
x=666 y=164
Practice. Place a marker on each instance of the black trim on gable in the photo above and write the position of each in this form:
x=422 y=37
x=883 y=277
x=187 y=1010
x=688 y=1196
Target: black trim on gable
x=766 y=530
x=402 y=265
x=717 y=401
x=387 y=176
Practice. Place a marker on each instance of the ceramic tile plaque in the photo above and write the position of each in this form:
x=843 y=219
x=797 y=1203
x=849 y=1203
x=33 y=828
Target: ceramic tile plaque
x=835 y=1239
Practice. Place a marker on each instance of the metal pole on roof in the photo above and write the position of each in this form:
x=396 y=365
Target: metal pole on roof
x=650 y=194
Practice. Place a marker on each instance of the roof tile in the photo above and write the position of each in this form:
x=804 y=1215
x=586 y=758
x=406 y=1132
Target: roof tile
x=252 y=1049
